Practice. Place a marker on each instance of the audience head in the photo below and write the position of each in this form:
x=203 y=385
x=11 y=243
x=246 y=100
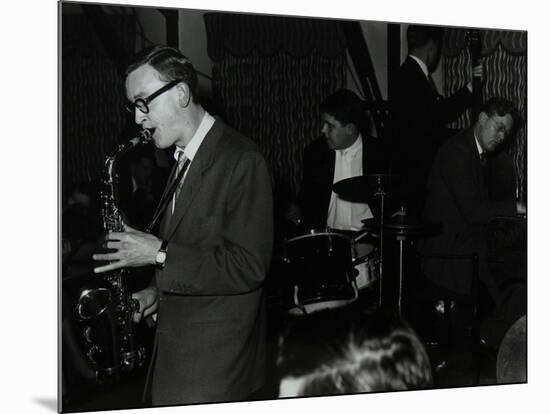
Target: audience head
x=350 y=351
x=496 y=121
x=424 y=42
x=344 y=116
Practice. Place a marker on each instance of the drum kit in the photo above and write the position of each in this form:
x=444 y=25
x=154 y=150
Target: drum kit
x=329 y=269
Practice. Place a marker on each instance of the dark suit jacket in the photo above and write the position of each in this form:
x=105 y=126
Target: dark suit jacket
x=458 y=198
x=211 y=329
x=318 y=176
x=419 y=115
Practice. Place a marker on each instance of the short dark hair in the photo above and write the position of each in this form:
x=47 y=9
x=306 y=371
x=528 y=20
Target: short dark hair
x=420 y=35
x=171 y=65
x=501 y=107
x=348 y=351
x=347 y=108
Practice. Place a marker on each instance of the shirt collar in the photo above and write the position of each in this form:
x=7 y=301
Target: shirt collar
x=479 y=148
x=191 y=149
x=421 y=64
x=354 y=148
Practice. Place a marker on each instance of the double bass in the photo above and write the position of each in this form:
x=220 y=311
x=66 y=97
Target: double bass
x=473 y=37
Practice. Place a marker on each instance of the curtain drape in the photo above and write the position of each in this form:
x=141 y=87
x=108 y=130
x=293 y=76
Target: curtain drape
x=92 y=96
x=269 y=75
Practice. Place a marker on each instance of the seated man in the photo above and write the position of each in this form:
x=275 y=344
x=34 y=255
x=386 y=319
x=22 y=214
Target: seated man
x=351 y=351
x=457 y=197
x=343 y=151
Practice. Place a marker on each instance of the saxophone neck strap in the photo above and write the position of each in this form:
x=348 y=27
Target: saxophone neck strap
x=167 y=196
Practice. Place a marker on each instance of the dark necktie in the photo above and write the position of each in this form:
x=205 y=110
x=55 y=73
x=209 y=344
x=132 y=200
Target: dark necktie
x=483 y=158
x=182 y=164
x=169 y=196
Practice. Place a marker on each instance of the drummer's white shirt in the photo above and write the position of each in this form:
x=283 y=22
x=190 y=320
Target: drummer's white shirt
x=342 y=214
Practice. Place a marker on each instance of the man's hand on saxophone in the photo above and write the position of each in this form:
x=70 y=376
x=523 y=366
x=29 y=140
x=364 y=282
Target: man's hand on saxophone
x=148 y=303
x=133 y=249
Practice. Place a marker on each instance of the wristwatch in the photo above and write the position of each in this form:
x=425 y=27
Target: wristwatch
x=161 y=255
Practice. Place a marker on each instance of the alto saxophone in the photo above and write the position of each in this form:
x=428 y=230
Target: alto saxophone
x=104 y=305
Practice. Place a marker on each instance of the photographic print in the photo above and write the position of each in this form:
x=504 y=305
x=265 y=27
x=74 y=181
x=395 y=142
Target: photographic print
x=257 y=207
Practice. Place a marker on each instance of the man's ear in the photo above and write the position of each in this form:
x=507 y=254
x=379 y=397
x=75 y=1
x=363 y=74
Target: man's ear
x=482 y=117
x=184 y=96
x=351 y=129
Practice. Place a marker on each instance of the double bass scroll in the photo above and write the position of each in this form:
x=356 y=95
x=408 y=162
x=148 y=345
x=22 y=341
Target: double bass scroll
x=473 y=38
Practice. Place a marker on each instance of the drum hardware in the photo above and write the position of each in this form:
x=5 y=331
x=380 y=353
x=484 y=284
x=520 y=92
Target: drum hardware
x=365 y=189
x=403 y=227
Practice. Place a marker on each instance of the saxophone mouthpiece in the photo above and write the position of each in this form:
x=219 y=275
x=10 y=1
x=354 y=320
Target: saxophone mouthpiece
x=143 y=137
x=146 y=135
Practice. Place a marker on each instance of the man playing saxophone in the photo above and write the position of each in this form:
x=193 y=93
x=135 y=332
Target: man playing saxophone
x=213 y=244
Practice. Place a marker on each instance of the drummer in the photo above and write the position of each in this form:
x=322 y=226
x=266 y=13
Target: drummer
x=343 y=151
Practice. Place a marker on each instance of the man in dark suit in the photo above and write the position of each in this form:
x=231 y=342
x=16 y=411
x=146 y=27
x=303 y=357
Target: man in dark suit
x=344 y=151
x=419 y=113
x=458 y=198
x=213 y=247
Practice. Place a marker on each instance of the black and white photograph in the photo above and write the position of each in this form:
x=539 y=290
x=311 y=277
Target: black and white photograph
x=289 y=209
x=261 y=206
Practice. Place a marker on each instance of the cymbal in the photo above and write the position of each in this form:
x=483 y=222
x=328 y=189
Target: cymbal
x=403 y=225
x=363 y=188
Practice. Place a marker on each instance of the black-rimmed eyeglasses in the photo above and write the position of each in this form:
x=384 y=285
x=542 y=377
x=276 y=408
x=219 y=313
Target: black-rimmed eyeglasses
x=143 y=103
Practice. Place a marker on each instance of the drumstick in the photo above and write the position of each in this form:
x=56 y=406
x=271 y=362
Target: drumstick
x=355 y=240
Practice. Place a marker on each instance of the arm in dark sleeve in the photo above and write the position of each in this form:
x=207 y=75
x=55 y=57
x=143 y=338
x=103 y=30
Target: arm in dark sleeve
x=447 y=109
x=417 y=103
x=465 y=189
x=239 y=263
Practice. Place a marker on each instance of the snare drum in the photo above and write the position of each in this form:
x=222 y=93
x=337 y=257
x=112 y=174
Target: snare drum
x=321 y=271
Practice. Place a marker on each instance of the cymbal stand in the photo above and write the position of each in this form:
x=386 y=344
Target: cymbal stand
x=401 y=240
x=380 y=193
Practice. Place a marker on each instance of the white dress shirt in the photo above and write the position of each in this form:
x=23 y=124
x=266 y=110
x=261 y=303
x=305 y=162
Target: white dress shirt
x=342 y=214
x=193 y=146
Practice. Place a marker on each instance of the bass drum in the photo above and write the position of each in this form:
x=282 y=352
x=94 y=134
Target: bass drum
x=321 y=271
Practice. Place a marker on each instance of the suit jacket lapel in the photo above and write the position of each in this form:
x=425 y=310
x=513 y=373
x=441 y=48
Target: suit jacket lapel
x=193 y=181
x=478 y=168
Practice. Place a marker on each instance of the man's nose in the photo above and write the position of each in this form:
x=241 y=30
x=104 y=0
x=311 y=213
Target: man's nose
x=139 y=116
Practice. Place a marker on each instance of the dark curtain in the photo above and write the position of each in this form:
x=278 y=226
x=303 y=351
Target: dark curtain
x=92 y=92
x=269 y=76
x=504 y=57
